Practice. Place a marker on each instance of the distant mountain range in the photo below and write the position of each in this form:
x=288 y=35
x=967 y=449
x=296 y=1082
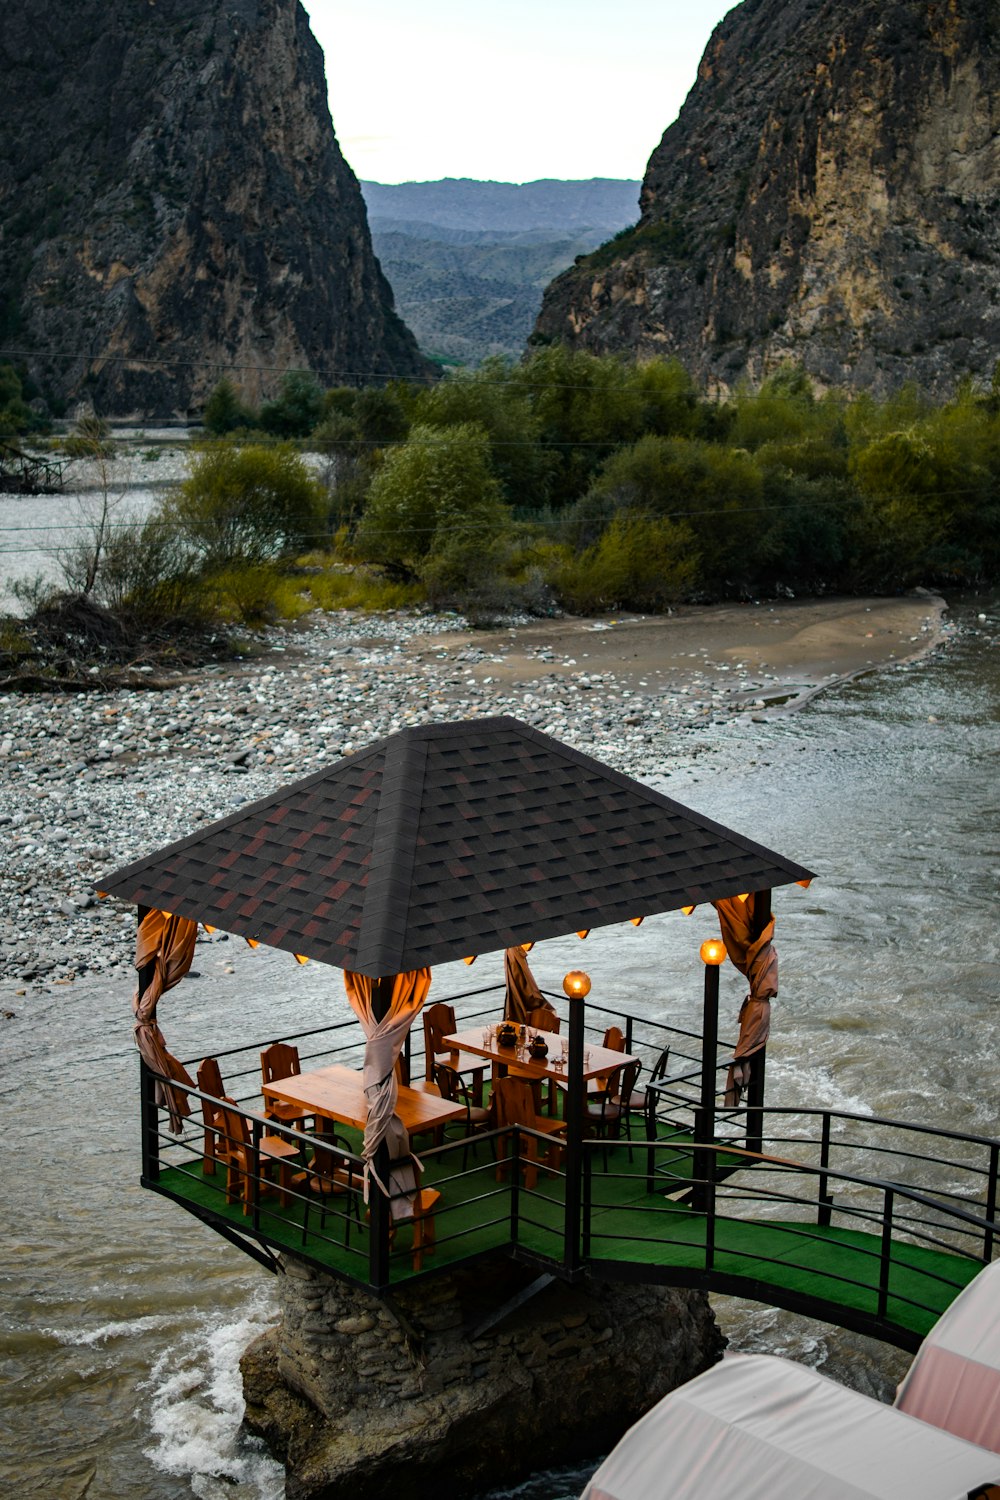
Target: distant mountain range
x=468 y=261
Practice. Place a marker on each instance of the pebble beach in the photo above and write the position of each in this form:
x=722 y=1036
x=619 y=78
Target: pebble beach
x=91 y=781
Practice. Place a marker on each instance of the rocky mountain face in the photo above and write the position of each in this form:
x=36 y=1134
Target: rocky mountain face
x=469 y=260
x=828 y=195
x=174 y=206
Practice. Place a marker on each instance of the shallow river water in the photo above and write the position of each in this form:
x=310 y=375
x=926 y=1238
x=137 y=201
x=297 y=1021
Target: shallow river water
x=124 y=1319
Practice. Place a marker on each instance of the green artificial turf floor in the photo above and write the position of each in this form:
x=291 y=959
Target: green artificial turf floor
x=835 y=1266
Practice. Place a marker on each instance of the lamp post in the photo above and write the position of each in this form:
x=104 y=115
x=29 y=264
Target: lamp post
x=577 y=986
x=711 y=953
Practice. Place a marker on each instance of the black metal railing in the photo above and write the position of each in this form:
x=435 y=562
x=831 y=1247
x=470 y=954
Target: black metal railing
x=804 y=1173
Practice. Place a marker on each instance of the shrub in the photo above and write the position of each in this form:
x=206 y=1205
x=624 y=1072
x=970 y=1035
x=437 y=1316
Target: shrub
x=641 y=562
x=297 y=409
x=434 y=509
x=246 y=504
x=225 y=410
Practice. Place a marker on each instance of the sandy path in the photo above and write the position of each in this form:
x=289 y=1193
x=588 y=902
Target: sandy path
x=760 y=652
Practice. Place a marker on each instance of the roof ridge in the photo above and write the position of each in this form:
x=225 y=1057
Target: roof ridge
x=394 y=844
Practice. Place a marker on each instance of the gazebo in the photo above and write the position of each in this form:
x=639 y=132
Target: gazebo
x=447 y=841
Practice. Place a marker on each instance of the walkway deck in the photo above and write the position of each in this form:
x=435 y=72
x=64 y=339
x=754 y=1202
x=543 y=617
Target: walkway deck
x=889 y=1288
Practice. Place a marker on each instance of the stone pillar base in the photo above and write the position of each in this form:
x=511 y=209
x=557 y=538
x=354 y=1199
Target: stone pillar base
x=394 y=1399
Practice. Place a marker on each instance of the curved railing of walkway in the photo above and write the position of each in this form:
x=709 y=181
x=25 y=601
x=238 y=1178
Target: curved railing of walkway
x=873 y=1224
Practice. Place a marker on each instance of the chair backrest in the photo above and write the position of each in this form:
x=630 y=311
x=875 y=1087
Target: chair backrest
x=449 y=1083
x=614 y=1039
x=453 y=1087
x=439 y=1021
x=235 y=1126
x=280 y=1060
x=630 y=1077
x=544 y=1018
x=209 y=1080
x=332 y=1154
x=660 y=1066
x=515 y=1103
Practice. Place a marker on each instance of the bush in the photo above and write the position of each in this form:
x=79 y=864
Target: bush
x=297 y=409
x=434 y=510
x=90 y=438
x=246 y=504
x=225 y=410
x=641 y=562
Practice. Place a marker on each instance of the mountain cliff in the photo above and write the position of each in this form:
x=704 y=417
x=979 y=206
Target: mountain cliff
x=827 y=195
x=174 y=204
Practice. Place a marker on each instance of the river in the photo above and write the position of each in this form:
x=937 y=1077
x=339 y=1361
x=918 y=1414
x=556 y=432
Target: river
x=124 y=1318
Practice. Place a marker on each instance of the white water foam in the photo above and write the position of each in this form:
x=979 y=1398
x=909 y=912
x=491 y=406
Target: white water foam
x=812 y=1085
x=197 y=1408
x=126 y=1328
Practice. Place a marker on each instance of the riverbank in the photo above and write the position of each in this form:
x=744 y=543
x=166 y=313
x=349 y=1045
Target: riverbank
x=94 y=780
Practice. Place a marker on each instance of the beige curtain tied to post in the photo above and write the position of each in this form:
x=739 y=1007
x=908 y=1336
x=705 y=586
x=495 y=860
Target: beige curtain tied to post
x=166 y=942
x=523 y=995
x=757 y=958
x=384 y=1043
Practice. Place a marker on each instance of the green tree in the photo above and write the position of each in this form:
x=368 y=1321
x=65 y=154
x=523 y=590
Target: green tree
x=488 y=398
x=641 y=562
x=15 y=413
x=585 y=407
x=225 y=410
x=434 y=508
x=297 y=409
x=247 y=504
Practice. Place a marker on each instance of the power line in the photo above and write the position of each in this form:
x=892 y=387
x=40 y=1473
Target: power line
x=515 y=378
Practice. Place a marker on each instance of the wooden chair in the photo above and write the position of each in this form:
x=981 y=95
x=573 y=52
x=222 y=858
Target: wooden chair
x=453 y=1087
x=333 y=1174
x=424 y=1203
x=281 y=1060
x=274 y=1154
x=515 y=1105
x=614 y=1041
x=439 y=1022
x=209 y=1080
x=544 y=1018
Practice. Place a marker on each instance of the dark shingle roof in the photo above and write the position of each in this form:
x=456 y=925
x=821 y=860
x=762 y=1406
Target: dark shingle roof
x=443 y=841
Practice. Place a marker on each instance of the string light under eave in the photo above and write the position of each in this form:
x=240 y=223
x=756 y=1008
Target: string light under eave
x=688 y=911
x=637 y=921
x=301 y=958
x=470 y=960
x=585 y=932
x=252 y=942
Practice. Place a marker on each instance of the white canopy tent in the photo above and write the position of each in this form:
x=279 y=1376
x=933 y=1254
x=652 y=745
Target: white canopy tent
x=954 y=1381
x=765 y=1428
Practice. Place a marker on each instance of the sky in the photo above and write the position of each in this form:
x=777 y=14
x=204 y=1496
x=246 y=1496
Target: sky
x=507 y=90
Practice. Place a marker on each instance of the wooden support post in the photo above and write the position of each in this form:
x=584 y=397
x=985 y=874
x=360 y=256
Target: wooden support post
x=379 y=1207
x=574 y=1135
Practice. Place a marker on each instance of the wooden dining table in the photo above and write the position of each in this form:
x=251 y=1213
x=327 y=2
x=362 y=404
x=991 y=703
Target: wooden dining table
x=598 y=1062
x=337 y=1093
